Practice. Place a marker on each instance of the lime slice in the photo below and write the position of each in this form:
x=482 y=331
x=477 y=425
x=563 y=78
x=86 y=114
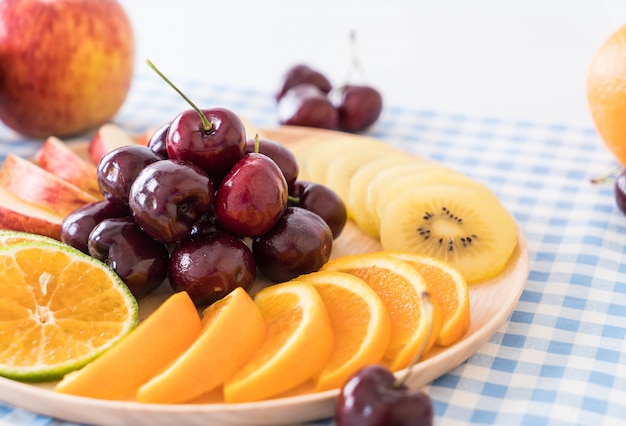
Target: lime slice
x=8 y=237
x=59 y=309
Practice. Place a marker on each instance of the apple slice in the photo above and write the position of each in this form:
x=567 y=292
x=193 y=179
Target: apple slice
x=19 y=215
x=31 y=183
x=58 y=158
x=108 y=137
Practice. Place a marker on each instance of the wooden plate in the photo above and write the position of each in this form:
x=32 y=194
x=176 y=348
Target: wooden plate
x=491 y=305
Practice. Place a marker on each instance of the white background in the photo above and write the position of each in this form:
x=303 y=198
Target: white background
x=518 y=59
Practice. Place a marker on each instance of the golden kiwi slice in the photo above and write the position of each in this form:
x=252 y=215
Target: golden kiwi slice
x=341 y=168
x=358 y=186
x=466 y=226
x=315 y=154
x=390 y=184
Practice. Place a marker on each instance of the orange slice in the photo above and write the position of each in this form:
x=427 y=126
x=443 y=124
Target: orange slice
x=298 y=344
x=360 y=322
x=401 y=289
x=449 y=288
x=59 y=309
x=233 y=330
x=157 y=341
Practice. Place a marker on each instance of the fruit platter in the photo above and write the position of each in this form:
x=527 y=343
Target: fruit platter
x=208 y=270
x=492 y=298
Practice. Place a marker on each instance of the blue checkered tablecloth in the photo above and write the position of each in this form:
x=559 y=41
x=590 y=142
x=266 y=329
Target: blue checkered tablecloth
x=561 y=357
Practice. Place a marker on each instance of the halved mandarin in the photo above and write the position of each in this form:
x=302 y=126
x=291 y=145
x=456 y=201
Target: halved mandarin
x=59 y=310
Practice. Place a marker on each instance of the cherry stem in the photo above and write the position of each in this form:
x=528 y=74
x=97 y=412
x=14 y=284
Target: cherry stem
x=206 y=124
x=256 y=143
x=604 y=178
x=294 y=199
x=427 y=313
x=355 y=65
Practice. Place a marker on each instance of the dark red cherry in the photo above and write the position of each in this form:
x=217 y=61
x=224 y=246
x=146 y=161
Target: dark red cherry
x=215 y=147
x=168 y=197
x=252 y=196
x=323 y=201
x=213 y=139
x=140 y=261
x=302 y=73
x=306 y=105
x=620 y=191
x=282 y=156
x=210 y=266
x=118 y=169
x=77 y=226
x=299 y=243
x=359 y=106
x=372 y=398
x=157 y=141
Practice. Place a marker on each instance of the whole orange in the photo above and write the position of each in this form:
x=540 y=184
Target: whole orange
x=606 y=92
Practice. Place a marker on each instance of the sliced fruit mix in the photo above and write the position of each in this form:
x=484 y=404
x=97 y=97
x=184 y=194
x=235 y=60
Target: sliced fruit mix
x=348 y=307
x=438 y=229
x=318 y=329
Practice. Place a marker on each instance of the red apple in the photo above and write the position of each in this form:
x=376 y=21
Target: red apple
x=58 y=158
x=66 y=65
x=19 y=215
x=107 y=138
x=31 y=183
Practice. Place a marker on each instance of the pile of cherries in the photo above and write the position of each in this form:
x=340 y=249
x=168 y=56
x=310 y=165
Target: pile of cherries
x=306 y=97
x=205 y=206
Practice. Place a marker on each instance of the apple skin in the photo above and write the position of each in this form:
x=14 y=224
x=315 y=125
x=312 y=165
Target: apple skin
x=19 y=215
x=58 y=158
x=108 y=137
x=65 y=66
x=31 y=183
